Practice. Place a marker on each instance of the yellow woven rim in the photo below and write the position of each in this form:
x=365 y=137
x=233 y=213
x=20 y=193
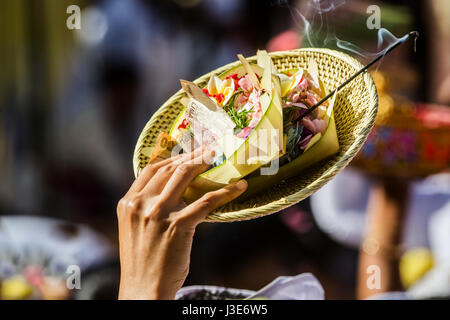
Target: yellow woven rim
x=355 y=111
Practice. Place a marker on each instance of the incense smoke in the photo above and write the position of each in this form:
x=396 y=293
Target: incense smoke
x=319 y=32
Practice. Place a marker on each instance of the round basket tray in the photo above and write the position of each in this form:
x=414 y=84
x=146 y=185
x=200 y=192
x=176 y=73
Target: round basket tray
x=355 y=110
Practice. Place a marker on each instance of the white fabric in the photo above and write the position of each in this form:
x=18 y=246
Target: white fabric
x=36 y=239
x=339 y=209
x=301 y=287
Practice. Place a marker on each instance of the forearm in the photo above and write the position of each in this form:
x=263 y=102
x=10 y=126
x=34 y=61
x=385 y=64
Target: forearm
x=380 y=245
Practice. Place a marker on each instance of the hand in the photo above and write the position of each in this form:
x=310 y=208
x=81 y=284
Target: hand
x=156 y=227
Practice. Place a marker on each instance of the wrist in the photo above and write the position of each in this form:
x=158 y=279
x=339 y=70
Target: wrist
x=143 y=290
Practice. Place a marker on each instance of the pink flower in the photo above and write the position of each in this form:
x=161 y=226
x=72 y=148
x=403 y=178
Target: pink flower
x=300 y=105
x=246 y=84
x=309 y=125
x=256 y=116
x=315 y=126
x=313 y=82
x=320 y=125
x=304 y=143
x=296 y=96
x=302 y=86
x=244 y=133
x=241 y=100
x=311 y=99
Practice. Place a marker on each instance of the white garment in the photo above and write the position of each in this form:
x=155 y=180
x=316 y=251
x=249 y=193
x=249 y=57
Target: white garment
x=339 y=209
x=27 y=241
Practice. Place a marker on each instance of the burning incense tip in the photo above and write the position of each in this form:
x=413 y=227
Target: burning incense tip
x=415 y=36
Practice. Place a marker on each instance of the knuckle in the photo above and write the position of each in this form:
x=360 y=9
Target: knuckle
x=150 y=169
x=121 y=205
x=165 y=169
x=156 y=210
x=184 y=169
x=178 y=221
x=131 y=205
x=182 y=224
x=159 y=203
x=208 y=201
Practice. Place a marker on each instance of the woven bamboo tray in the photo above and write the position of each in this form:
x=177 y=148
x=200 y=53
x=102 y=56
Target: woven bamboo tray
x=355 y=110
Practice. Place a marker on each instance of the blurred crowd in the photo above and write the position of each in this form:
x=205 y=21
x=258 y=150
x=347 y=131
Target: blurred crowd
x=73 y=103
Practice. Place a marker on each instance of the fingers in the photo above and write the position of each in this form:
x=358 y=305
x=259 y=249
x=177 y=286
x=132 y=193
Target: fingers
x=152 y=168
x=183 y=176
x=182 y=156
x=197 y=211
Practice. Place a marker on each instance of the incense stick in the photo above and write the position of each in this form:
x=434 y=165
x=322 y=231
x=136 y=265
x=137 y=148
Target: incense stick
x=414 y=34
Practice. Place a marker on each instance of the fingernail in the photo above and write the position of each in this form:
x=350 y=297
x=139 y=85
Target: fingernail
x=209 y=153
x=208 y=157
x=242 y=185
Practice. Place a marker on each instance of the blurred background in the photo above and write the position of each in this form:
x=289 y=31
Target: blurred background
x=73 y=103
